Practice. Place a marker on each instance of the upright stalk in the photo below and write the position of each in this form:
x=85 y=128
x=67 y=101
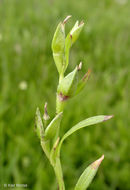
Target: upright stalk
x=57 y=166
x=59 y=174
x=68 y=87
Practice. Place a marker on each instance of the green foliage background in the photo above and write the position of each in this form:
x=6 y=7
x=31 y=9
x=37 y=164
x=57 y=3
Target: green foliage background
x=26 y=31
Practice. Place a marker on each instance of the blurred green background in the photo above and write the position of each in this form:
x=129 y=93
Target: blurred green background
x=28 y=78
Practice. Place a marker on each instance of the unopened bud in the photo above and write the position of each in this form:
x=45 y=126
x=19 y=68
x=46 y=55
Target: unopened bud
x=53 y=127
x=74 y=33
x=66 y=84
x=71 y=38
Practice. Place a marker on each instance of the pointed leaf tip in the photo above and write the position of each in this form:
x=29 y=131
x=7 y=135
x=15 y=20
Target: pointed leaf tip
x=56 y=143
x=81 y=23
x=107 y=117
x=97 y=163
x=66 y=19
x=87 y=122
x=79 y=67
x=86 y=76
x=46 y=116
x=88 y=175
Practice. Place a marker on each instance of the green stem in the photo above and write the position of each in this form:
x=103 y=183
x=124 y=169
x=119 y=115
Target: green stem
x=59 y=103
x=57 y=166
x=59 y=174
x=61 y=77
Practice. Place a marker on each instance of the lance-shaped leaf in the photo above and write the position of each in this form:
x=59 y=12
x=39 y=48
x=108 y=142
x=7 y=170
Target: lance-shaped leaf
x=82 y=124
x=71 y=38
x=39 y=125
x=82 y=82
x=65 y=85
x=88 y=175
x=53 y=127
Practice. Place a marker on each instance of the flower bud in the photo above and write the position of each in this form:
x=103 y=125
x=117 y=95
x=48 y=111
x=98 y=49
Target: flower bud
x=58 y=46
x=71 y=38
x=64 y=87
x=53 y=127
x=74 y=33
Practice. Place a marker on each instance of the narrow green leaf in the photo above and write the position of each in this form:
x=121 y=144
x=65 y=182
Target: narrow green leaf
x=88 y=175
x=82 y=124
x=39 y=125
x=52 y=128
x=65 y=85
